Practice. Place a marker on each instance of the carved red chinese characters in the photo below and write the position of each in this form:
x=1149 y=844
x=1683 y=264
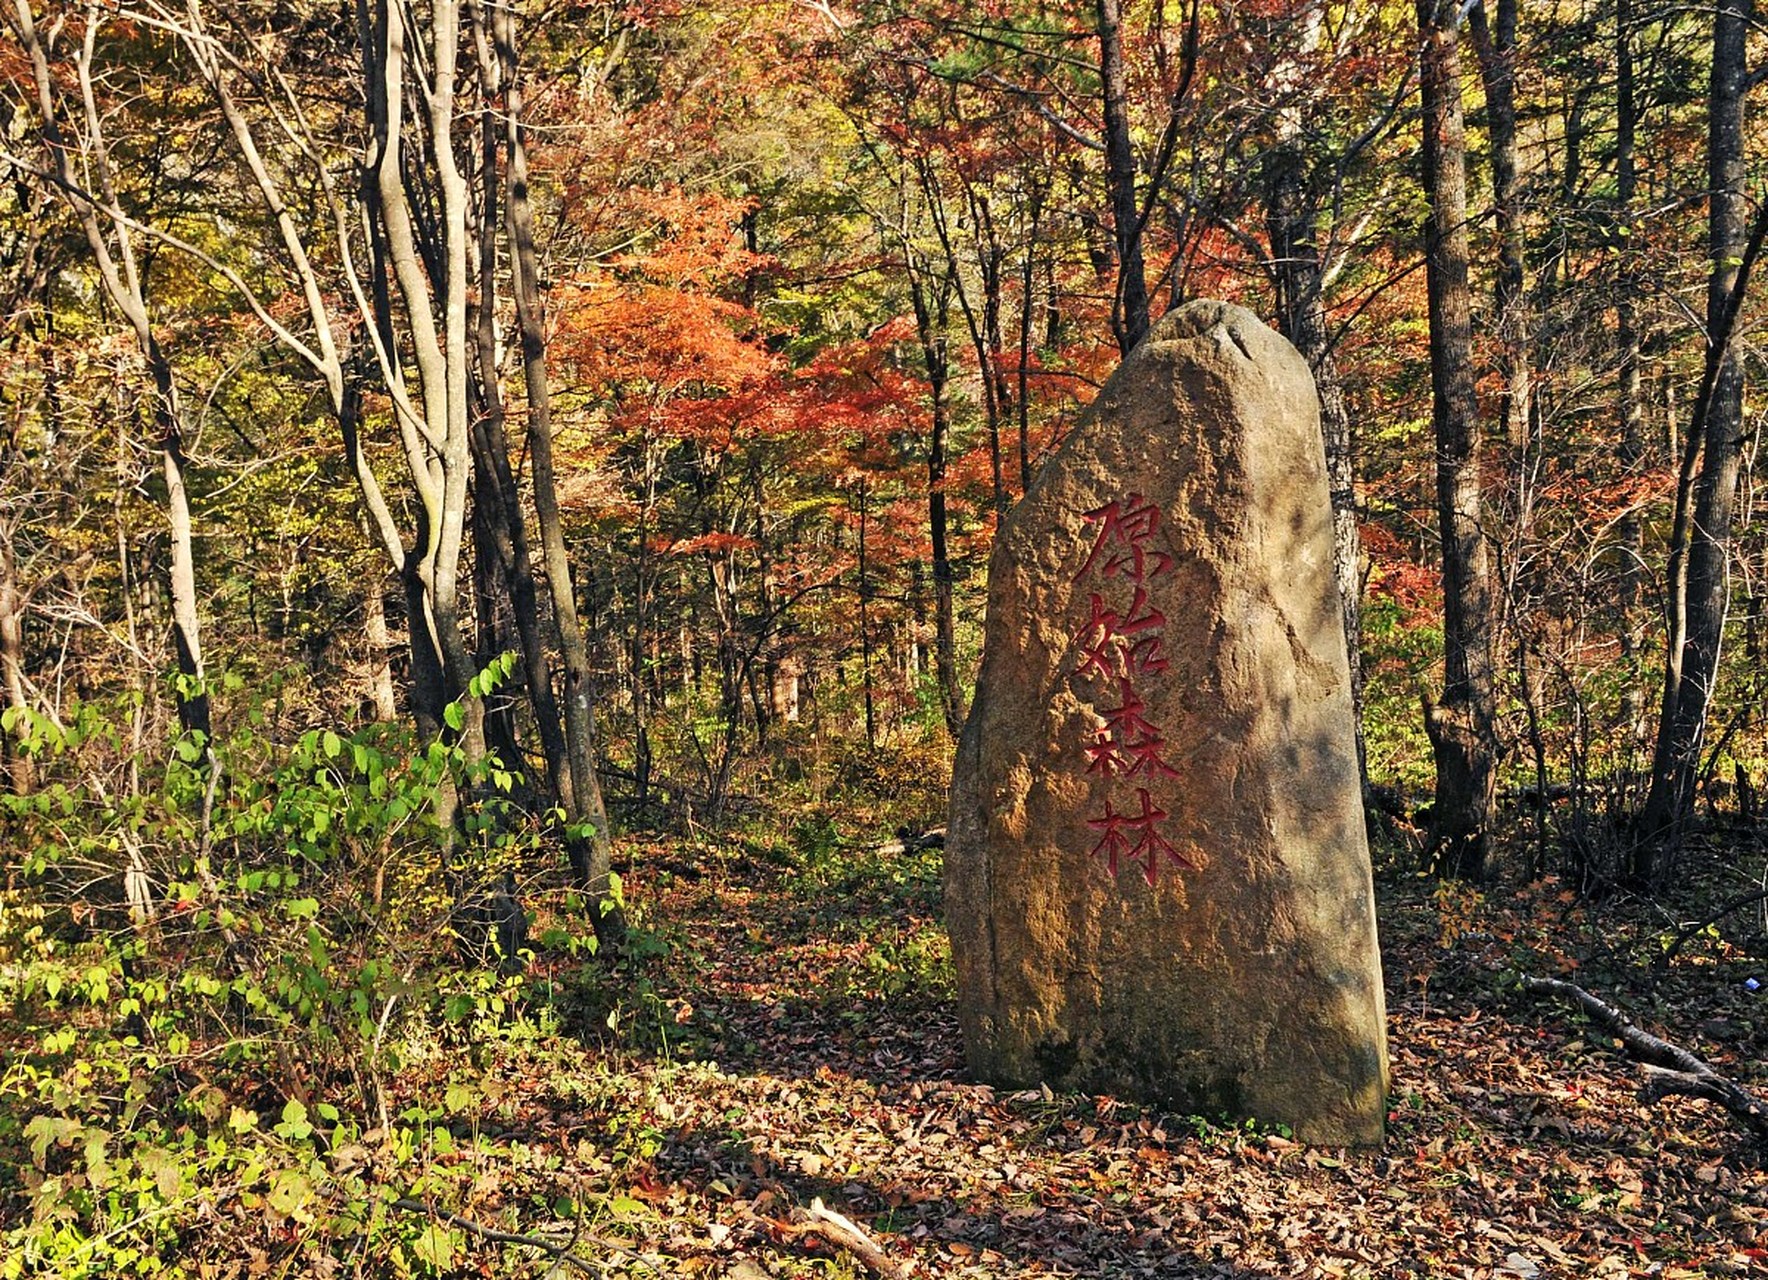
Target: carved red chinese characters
x=1120 y=648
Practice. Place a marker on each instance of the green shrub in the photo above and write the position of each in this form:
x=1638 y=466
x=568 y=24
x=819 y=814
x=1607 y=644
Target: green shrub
x=219 y=971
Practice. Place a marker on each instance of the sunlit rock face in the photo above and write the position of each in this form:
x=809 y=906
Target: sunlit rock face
x=1157 y=878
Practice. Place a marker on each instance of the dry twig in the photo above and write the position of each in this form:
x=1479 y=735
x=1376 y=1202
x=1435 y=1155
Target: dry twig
x=1688 y=931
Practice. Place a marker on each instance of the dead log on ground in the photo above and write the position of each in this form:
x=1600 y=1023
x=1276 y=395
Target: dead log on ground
x=1670 y=1069
x=907 y=841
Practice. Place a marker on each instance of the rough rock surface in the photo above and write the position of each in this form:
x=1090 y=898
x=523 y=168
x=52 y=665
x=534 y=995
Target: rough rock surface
x=1157 y=879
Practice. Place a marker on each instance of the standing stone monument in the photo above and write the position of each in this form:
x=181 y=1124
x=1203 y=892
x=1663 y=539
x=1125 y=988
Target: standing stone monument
x=1157 y=879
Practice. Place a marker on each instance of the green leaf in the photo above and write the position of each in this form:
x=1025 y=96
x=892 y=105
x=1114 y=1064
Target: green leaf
x=459 y=1097
x=290 y=1191
x=455 y=717
x=44 y=1130
x=97 y=983
x=435 y=1247
x=295 y=1125
x=333 y=744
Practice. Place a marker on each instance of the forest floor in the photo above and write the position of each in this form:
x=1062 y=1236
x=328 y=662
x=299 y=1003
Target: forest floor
x=788 y=1036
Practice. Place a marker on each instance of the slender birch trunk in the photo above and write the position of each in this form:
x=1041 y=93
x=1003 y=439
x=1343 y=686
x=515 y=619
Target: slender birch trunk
x=82 y=164
x=591 y=846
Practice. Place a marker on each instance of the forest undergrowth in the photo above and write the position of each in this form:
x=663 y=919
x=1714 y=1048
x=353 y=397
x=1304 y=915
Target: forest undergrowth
x=782 y=1032
x=1518 y=1145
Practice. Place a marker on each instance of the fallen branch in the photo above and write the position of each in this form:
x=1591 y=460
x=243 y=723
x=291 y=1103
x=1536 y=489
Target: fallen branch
x=851 y=1236
x=840 y=1231
x=1670 y=1069
x=559 y=1252
x=907 y=841
x=1688 y=931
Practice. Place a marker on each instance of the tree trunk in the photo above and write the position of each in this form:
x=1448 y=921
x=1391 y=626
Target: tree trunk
x=380 y=670
x=1027 y=301
x=1698 y=585
x=193 y=692
x=21 y=772
x=113 y=253
x=429 y=685
x=1495 y=45
x=428 y=262
x=932 y=301
x=992 y=258
x=1630 y=532
x=637 y=667
x=865 y=623
x=497 y=628
x=985 y=338
x=945 y=655
x=1461 y=723
x=1292 y=218
x=1129 y=304
x=722 y=578
x=589 y=842
x=498 y=510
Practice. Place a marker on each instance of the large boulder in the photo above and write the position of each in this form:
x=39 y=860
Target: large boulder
x=1157 y=878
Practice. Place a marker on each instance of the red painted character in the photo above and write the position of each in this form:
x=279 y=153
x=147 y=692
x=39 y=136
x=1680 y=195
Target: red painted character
x=1119 y=644
x=1124 y=529
x=1135 y=836
x=1128 y=743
